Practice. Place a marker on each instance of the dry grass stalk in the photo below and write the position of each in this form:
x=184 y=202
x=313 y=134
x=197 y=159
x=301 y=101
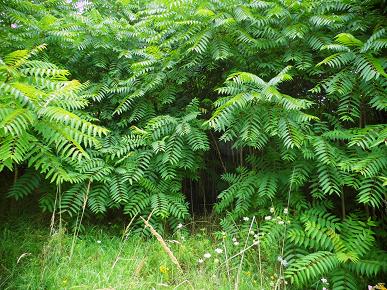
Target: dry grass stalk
x=185 y=281
x=243 y=255
x=22 y=256
x=78 y=225
x=163 y=244
x=124 y=238
x=139 y=268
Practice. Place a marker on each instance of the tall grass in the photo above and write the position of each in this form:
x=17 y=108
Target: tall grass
x=108 y=258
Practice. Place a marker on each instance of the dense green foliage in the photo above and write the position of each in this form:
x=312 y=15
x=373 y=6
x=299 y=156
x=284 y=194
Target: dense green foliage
x=288 y=98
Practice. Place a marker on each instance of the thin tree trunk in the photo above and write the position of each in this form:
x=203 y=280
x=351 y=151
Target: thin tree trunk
x=16 y=175
x=241 y=157
x=367 y=209
x=192 y=203
x=342 y=205
x=204 y=200
x=218 y=152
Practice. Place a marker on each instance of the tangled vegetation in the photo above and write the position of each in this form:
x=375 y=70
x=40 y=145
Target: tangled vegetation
x=265 y=111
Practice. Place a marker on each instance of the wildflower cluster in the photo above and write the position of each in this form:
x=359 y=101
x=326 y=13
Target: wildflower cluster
x=218 y=251
x=80 y=5
x=282 y=261
x=164 y=269
x=180 y=233
x=206 y=256
x=277 y=218
x=325 y=283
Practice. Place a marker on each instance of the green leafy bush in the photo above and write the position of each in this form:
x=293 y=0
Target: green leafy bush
x=292 y=94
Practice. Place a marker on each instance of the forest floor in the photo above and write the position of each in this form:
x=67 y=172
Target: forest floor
x=102 y=258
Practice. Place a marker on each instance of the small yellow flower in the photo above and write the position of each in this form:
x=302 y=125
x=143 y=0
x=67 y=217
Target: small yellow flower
x=64 y=281
x=163 y=269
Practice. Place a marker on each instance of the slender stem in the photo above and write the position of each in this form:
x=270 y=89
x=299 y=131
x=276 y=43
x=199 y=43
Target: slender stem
x=54 y=212
x=218 y=152
x=342 y=204
x=367 y=209
x=227 y=264
x=16 y=175
x=241 y=157
x=243 y=255
x=76 y=232
x=192 y=201
x=285 y=230
x=204 y=201
x=259 y=258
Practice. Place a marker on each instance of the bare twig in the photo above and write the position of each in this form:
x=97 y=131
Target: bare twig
x=238 y=254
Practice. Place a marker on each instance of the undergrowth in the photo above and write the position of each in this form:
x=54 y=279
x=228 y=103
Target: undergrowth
x=108 y=258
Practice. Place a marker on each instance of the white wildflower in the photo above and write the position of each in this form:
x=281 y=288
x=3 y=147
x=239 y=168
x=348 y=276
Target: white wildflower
x=284 y=263
x=251 y=233
x=234 y=239
x=256 y=236
x=286 y=210
x=236 y=243
x=14 y=26
x=272 y=209
x=324 y=280
x=267 y=218
x=246 y=219
x=281 y=222
x=207 y=255
x=179 y=226
x=98 y=242
x=218 y=251
x=200 y=261
x=279 y=258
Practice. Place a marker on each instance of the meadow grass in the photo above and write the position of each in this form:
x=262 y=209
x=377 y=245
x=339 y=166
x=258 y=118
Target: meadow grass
x=102 y=258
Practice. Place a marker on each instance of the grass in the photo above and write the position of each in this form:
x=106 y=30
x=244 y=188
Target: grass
x=31 y=258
